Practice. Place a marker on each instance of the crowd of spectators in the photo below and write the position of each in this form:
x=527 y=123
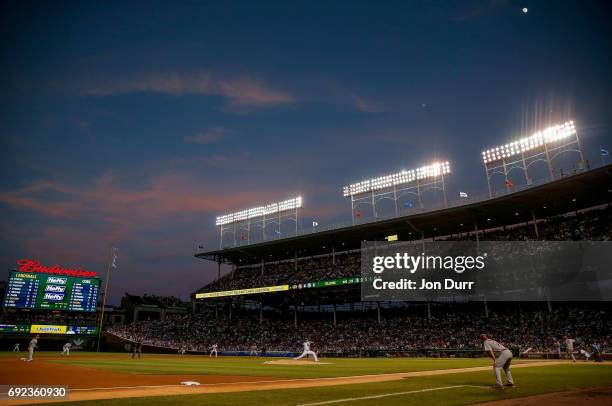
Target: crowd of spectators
x=167 y=301
x=49 y=317
x=592 y=225
x=455 y=327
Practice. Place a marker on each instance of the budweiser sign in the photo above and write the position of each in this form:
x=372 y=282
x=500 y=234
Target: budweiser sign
x=28 y=265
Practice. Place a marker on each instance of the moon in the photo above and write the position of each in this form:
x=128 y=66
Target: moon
x=525 y=10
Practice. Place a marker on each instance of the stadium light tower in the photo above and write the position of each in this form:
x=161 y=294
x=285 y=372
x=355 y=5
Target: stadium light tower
x=396 y=185
x=245 y=220
x=544 y=146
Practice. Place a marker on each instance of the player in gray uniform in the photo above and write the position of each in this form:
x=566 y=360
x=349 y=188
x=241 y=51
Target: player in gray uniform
x=557 y=345
x=16 y=347
x=33 y=344
x=66 y=349
x=569 y=346
x=585 y=354
x=502 y=357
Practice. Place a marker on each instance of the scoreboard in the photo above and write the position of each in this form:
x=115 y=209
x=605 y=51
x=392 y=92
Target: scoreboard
x=51 y=292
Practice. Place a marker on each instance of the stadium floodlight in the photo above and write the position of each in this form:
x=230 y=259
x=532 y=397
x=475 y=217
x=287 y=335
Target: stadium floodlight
x=537 y=140
x=272 y=208
x=400 y=178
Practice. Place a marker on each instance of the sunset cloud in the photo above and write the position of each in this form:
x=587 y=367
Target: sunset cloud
x=366 y=106
x=242 y=91
x=212 y=135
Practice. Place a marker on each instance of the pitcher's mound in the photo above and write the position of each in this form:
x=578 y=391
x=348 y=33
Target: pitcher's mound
x=295 y=362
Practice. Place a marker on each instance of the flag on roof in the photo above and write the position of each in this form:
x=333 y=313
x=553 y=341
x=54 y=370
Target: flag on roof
x=114 y=264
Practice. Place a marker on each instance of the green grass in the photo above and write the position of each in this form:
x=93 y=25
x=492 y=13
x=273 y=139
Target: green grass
x=530 y=381
x=202 y=365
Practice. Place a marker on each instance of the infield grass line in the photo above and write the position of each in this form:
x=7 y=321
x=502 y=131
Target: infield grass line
x=335 y=378
x=386 y=395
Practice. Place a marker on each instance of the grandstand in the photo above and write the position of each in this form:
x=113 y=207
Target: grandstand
x=307 y=286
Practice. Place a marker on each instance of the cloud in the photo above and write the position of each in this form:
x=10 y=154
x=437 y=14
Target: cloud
x=161 y=216
x=366 y=106
x=212 y=135
x=247 y=92
x=166 y=195
x=241 y=91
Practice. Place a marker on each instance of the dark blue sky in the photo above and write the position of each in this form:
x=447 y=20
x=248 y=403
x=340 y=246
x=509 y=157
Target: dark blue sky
x=135 y=124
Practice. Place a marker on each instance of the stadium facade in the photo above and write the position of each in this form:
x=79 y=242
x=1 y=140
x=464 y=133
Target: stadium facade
x=314 y=277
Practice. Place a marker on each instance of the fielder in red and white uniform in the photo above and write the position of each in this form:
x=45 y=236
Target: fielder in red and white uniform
x=569 y=346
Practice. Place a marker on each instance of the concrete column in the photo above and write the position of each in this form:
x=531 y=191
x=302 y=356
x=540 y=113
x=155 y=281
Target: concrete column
x=334 y=315
x=535 y=224
x=260 y=312
x=333 y=256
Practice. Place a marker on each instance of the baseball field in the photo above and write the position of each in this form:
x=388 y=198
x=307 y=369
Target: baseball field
x=116 y=379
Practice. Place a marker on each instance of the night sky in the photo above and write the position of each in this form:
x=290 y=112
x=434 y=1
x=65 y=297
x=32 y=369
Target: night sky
x=134 y=124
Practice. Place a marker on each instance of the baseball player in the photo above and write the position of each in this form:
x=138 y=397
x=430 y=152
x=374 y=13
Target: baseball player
x=66 y=349
x=502 y=357
x=307 y=352
x=557 y=349
x=596 y=351
x=213 y=350
x=33 y=344
x=16 y=347
x=253 y=352
x=137 y=348
x=585 y=354
x=569 y=346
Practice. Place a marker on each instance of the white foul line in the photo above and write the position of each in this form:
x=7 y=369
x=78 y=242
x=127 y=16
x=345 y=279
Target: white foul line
x=328 y=402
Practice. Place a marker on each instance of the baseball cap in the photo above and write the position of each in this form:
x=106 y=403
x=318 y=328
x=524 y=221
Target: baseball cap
x=483 y=337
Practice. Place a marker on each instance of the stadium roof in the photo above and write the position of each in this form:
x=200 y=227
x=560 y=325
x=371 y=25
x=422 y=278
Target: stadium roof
x=573 y=192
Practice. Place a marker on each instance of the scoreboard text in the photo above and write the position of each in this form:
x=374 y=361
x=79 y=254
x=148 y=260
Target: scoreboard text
x=50 y=292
